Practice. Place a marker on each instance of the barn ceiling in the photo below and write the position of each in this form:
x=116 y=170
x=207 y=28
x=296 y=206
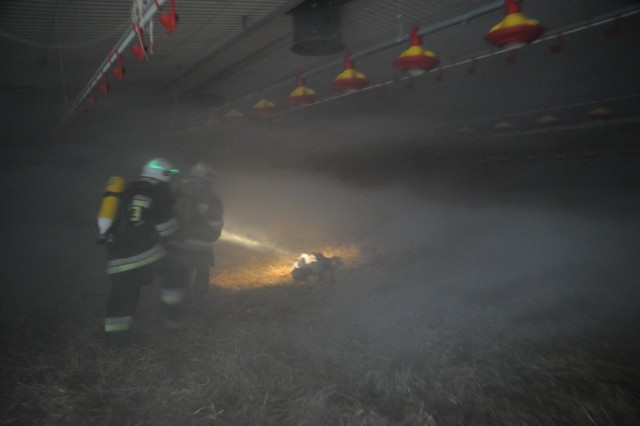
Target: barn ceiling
x=224 y=52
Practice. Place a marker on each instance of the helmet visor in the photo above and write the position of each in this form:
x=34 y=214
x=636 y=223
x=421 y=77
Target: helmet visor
x=166 y=172
x=171 y=172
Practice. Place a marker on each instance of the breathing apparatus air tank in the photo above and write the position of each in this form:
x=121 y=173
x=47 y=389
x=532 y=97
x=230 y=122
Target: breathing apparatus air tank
x=109 y=206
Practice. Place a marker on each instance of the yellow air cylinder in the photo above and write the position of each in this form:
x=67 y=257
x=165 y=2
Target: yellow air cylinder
x=110 y=201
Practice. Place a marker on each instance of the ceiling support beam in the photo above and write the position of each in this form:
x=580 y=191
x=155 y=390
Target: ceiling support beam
x=229 y=44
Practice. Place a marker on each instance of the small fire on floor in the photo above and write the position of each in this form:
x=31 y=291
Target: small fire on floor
x=238 y=267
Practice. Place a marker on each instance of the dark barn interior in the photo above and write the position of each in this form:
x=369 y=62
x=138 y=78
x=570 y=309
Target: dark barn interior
x=485 y=210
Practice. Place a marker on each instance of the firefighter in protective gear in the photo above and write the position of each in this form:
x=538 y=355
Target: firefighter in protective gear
x=199 y=213
x=136 y=254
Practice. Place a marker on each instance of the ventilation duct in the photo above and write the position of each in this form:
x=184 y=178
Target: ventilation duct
x=316 y=28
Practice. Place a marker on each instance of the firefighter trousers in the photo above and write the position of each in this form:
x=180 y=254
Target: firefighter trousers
x=125 y=293
x=195 y=265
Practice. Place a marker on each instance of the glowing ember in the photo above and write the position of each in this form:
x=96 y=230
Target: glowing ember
x=315 y=268
x=304 y=257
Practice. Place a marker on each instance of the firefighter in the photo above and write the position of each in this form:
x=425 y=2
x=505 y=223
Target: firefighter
x=199 y=213
x=136 y=254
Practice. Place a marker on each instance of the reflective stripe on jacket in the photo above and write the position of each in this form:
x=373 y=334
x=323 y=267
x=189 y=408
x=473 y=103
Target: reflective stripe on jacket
x=113 y=324
x=152 y=255
x=168 y=228
x=146 y=220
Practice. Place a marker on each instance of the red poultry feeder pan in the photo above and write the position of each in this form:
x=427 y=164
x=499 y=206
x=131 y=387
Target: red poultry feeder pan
x=234 y=116
x=350 y=84
x=350 y=80
x=264 y=107
x=303 y=98
x=416 y=60
x=119 y=73
x=302 y=95
x=169 y=20
x=600 y=113
x=104 y=88
x=515 y=30
x=138 y=51
x=119 y=70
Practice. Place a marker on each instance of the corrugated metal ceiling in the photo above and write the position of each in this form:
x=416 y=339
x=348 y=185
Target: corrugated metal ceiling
x=229 y=48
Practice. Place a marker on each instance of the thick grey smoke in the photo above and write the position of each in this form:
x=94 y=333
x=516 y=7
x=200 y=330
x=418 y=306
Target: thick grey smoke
x=484 y=263
x=483 y=259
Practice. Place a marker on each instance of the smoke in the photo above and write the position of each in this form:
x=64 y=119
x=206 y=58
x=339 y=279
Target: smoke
x=480 y=264
x=526 y=248
x=296 y=209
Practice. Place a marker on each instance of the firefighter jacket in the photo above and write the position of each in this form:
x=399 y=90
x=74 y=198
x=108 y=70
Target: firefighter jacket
x=199 y=213
x=145 y=221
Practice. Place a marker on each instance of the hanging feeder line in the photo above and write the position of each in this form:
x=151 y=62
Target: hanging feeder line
x=584 y=25
x=542 y=110
x=112 y=58
x=137 y=11
x=538 y=111
x=169 y=20
x=424 y=30
x=570 y=29
x=556 y=128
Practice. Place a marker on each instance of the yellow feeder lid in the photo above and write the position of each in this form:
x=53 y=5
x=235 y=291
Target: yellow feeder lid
x=503 y=125
x=600 y=113
x=264 y=106
x=548 y=120
x=234 y=116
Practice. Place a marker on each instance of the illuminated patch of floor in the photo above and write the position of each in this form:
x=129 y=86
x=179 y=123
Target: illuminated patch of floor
x=239 y=268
